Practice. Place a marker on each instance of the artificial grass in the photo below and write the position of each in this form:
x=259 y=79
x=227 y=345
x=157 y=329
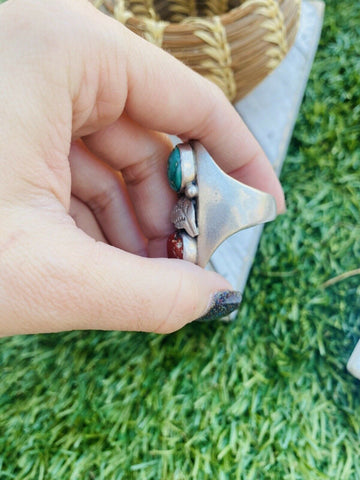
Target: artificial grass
x=266 y=397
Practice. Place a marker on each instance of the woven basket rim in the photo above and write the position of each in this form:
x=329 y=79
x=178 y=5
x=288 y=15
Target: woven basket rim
x=187 y=25
x=236 y=49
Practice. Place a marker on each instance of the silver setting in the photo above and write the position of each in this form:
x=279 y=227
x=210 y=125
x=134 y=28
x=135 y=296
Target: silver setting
x=183 y=216
x=188 y=167
x=213 y=205
x=190 y=250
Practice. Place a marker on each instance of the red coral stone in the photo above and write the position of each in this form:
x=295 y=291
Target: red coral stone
x=175 y=246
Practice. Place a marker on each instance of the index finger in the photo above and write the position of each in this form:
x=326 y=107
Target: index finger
x=166 y=95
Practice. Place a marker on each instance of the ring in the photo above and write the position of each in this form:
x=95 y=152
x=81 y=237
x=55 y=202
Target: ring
x=211 y=205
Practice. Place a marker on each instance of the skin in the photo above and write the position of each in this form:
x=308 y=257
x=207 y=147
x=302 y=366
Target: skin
x=84 y=198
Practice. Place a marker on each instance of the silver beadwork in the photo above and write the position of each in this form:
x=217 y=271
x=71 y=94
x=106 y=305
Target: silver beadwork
x=183 y=216
x=191 y=190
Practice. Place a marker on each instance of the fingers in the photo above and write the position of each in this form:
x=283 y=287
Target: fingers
x=102 y=68
x=141 y=155
x=167 y=96
x=101 y=189
x=72 y=282
x=84 y=219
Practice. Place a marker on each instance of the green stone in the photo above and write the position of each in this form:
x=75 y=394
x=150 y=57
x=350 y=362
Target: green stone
x=174 y=170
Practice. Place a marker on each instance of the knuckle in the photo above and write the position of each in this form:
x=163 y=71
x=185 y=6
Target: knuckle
x=106 y=194
x=149 y=165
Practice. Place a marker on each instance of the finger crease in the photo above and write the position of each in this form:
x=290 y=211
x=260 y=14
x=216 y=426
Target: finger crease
x=134 y=175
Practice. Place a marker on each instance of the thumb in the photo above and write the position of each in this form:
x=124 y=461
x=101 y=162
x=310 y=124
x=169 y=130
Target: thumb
x=69 y=281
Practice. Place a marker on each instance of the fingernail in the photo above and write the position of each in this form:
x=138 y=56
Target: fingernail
x=222 y=303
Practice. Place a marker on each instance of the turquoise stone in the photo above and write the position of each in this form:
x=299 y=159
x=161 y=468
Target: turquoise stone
x=174 y=170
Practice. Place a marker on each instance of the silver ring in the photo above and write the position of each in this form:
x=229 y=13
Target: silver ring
x=211 y=207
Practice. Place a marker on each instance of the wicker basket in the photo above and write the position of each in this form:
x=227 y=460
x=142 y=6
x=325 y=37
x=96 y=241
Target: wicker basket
x=234 y=43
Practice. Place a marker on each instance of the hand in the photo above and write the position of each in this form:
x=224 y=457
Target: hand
x=82 y=102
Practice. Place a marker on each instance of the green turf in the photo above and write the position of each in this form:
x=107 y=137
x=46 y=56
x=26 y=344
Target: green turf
x=267 y=397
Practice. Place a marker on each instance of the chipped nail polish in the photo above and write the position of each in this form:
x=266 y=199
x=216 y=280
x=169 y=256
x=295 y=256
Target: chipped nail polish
x=222 y=303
